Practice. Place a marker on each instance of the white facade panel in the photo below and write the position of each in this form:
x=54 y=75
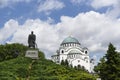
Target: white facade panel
x=71 y=50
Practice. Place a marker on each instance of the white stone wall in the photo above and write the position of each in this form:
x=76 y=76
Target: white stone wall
x=63 y=57
x=55 y=58
x=80 y=62
x=80 y=57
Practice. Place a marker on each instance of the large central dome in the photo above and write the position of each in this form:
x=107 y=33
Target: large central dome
x=70 y=40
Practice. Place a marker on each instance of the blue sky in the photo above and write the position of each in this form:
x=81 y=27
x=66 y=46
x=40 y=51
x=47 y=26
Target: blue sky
x=24 y=10
x=94 y=23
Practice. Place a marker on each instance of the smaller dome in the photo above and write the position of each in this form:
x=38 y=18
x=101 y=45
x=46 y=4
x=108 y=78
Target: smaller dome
x=70 y=40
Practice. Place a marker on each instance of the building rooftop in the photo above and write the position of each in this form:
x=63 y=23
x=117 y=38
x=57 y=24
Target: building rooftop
x=70 y=40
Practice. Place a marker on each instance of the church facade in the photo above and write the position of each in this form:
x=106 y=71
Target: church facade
x=71 y=50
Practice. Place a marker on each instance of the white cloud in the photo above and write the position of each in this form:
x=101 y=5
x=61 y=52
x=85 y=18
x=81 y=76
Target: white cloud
x=103 y=3
x=113 y=6
x=6 y=3
x=8 y=30
x=50 y=5
x=45 y=32
x=76 y=1
x=92 y=29
x=97 y=47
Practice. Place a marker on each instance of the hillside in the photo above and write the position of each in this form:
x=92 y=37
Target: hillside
x=21 y=68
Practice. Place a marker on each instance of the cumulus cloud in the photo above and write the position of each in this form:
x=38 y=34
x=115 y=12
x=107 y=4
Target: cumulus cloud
x=6 y=3
x=92 y=29
x=8 y=30
x=113 y=6
x=47 y=36
x=48 y=5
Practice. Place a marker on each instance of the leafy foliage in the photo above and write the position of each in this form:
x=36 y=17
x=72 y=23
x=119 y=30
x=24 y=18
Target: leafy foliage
x=109 y=66
x=22 y=68
x=10 y=51
x=18 y=69
x=14 y=69
x=64 y=63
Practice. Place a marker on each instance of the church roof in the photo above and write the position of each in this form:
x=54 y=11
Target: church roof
x=70 y=40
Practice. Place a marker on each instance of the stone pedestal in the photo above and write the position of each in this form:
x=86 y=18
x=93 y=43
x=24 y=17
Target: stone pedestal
x=32 y=54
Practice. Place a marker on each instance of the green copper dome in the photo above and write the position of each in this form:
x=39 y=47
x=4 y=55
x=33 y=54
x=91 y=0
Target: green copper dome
x=70 y=40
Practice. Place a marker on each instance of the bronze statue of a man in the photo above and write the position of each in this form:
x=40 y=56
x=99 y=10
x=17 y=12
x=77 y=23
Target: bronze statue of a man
x=31 y=40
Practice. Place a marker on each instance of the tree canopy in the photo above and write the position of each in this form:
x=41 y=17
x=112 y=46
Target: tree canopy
x=109 y=66
x=10 y=51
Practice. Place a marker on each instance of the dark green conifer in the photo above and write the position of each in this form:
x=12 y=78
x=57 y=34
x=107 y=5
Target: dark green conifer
x=109 y=66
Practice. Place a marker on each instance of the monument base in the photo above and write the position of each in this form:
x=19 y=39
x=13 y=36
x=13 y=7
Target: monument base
x=32 y=54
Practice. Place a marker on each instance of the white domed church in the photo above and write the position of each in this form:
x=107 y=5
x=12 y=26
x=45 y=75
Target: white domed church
x=72 y=51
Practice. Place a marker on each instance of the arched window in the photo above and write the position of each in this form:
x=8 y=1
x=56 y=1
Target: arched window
x=86 y=52
x=62 y=51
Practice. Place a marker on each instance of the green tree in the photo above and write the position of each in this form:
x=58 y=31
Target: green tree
x=79 y=67
x=10 y=51
x=100 y=68
x=66 y=63
x=109 y=66
x=62 y=62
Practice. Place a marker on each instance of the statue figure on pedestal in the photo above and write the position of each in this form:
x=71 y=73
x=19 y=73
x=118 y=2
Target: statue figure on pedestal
x=32 y=53
x=31 y=40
